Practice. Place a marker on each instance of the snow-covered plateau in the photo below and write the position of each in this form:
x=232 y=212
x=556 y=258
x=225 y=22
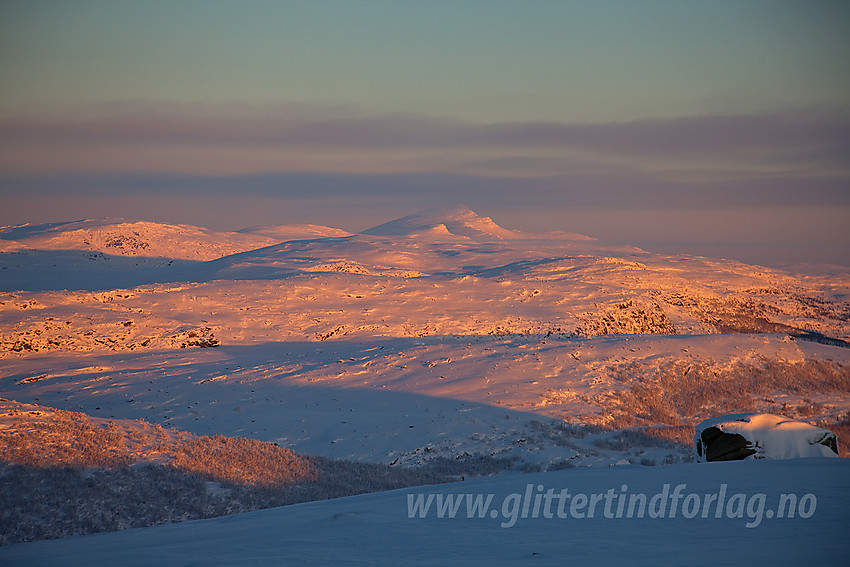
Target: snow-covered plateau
x=433 y=339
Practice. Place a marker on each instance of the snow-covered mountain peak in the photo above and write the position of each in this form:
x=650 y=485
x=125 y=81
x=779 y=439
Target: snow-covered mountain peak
x=457 y=220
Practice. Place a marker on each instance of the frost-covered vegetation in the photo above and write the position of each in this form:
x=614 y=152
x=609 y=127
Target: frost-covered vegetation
x=633 y=442
x=627 y=317
x=678 y=394
x=55 y=502
x=841 y=427
x=440 y=343
x=47 y=437
x=62 y=473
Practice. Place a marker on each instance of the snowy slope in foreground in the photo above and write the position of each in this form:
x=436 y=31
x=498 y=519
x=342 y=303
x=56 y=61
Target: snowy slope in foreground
x=410 y=400
x=375 y=529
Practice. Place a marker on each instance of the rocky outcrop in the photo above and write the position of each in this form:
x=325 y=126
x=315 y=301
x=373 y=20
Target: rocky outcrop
x=761 y=436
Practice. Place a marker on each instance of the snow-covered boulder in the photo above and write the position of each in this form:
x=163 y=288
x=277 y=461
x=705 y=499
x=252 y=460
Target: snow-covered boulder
x=761 y=436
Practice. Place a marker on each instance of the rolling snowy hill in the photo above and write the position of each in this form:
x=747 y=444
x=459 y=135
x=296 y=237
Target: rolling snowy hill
x=119 y=237
x=439 y=337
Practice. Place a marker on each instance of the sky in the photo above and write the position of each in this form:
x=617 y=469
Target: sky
x=714 y=128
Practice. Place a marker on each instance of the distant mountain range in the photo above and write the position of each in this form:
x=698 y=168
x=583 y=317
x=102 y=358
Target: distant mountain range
x=464 y=268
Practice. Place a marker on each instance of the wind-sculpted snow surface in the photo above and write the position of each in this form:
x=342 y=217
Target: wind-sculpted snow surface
x=792 y=512
x=438 y=341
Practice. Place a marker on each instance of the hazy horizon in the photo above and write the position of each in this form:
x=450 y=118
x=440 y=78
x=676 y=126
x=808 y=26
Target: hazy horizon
x=717 y=129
